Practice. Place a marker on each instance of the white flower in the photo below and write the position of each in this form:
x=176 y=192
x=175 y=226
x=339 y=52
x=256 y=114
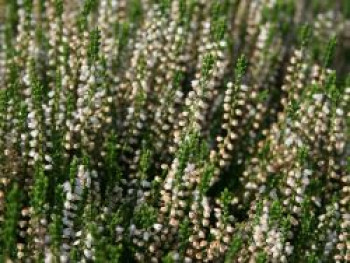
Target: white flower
x=64 y=258
x=88 y=253
x=157 y=227
x=195 y=83
x=176 y=256
x=26 y=79
x=67 y=232
x=291 y=182
x=32 y=153
x=48 y=257
x=339 y=112
x=307 y=172
x=31 y=115
x=325 y=109
x=132 y=229
x=305 y=181
x=67 y=187
x=299 y=199
x=119 y=229
x=48 y=167
x=146 y=236
x=288 y=142
x=51 y=93
x=289 y=248
x=33 y=143
x=34 y=133
x=48 y=158
x=317 y=97
x=145 y=184
x=89 y=240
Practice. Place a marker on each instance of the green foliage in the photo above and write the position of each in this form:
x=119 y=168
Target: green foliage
x=94 y=45
x=9 y=228
x=145 y=216
x=39 y=194
x=241 y=68
x=330 y=52
x=261 y=257
x=184 y=234
x=206 y=178
x=235 y=246
x=225 y=200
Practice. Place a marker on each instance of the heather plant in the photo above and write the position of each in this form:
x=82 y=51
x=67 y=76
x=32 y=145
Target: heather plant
x=174 y=131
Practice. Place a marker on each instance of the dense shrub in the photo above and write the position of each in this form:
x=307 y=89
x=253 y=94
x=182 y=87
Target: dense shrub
x=174 y=131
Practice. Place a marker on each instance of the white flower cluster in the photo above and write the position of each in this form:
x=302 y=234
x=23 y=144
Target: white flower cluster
x=174 y=131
